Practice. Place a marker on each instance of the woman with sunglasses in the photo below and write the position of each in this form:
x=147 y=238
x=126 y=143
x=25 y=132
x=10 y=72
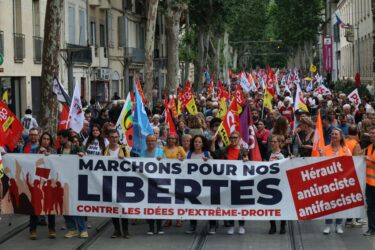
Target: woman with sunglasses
x=173 y=151
x=337 y=147
x=233 y=152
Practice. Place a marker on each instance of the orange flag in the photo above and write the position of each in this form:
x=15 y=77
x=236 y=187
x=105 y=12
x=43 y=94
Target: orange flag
x=140 y=91
x=318 y=137
x=172 y=106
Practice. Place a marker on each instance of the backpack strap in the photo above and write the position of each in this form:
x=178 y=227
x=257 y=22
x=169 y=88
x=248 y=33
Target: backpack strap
x=189 y=155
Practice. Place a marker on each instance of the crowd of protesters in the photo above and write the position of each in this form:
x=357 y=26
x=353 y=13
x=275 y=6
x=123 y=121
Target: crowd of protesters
x=281 y=133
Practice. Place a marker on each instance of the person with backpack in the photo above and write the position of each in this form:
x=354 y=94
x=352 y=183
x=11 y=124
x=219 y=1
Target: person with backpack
x=28 y=122
x=199 y=150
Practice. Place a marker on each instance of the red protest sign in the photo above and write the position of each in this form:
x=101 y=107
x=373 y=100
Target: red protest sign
x=10 y=127
x=325 y=187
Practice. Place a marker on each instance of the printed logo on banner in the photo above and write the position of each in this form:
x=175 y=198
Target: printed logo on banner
x=325 y=188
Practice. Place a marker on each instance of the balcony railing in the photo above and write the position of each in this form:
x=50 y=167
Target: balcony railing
x=19 y=47
x=137 y=55
x=1 y=42
x=80 y=54
x=38 y=49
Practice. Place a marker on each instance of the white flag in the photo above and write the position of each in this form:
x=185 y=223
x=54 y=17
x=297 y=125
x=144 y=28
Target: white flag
x=59 y=90
x=76 y=117
x=244 y=82
x=322 y=90
x=354 y=98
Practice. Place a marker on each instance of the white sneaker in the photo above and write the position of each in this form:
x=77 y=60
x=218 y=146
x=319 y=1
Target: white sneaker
x=327 y=229
x=356 y=224
x=339 y=229
x=241 y=230
x=230 y=230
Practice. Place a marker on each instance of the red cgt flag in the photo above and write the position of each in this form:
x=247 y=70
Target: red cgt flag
x=168 y=117
x=10 y=127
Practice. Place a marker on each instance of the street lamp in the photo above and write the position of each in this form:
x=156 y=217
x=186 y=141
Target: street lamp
x=349 y=27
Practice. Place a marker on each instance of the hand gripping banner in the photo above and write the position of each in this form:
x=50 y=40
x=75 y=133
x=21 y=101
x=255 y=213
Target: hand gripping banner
x=297 y=189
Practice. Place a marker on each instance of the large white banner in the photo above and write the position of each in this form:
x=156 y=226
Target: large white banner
x=297 y=189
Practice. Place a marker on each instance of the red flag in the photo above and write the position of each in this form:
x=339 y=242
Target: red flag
x=221 y=92
x=230 y=72
x=168 y=117
x=140 y=91
x=64 y=122
x=230 y=123
x=10 y=127
x=188 y=100
x=239 y=96
x=269 y=82
x=211 y=88
x=172 y=106
x=181 y=104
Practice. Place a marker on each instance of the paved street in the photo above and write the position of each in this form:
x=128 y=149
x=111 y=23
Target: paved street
x=305 y=235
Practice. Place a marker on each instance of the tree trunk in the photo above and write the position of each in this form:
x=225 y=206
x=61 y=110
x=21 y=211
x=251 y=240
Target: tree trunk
x=149 y=49
x=201 y=57
x=172 y=25
x=214 y=59
x=50 y=66
x=187 y=63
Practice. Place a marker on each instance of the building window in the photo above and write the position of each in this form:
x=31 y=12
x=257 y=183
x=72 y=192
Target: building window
x=93 y=33
x=82 y=37
x=71 y=26
x=115 y=88
x=102 y=35
x=110 y=30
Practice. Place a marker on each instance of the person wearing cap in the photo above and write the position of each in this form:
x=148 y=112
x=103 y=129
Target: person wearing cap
x=173 y=151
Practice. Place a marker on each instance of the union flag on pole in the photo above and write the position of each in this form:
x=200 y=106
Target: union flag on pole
x=140 y=91
x=172 y=106
x=318 y=137
x=188 y=100
x=248 y=136
x=268 y=92
x=299 y=102
x=180 y=103
x=230 y=123
x=10 y=127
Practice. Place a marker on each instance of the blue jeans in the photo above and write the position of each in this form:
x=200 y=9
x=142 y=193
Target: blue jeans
x=330 y=221
x=73 y=221
x=370 y=200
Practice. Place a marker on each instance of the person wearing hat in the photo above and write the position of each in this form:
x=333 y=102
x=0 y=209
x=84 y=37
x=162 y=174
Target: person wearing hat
x=305 y=137
x=155 y=121
x=287 y=110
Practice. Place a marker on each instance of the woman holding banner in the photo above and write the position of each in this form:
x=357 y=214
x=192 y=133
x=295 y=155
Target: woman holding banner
x=120 y=151
x=173 y=151
x=336 y=148
x=199 y=150
x=233 y=152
